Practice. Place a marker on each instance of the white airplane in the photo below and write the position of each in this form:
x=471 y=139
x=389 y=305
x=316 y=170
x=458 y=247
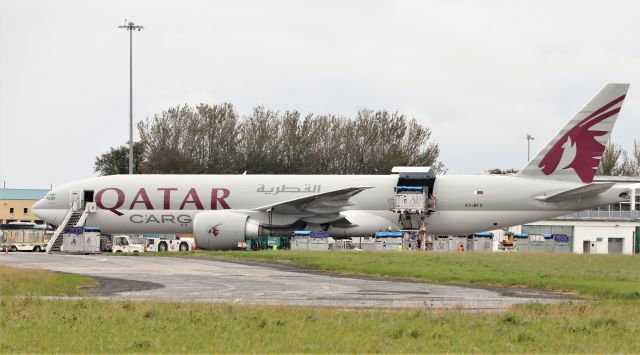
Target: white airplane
x=221 y=210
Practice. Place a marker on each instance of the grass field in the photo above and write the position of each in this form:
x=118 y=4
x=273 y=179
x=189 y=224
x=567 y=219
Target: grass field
x=607 y=322
x=599 y=276
x=34 y=282
x=33 y=325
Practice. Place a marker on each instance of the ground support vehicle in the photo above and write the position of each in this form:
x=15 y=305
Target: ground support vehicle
x=509 y=244
x=106 y=246
x=127 y=244
x=177 y=244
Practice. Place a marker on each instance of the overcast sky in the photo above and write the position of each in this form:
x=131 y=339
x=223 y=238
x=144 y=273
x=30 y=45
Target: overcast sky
x=481 y=74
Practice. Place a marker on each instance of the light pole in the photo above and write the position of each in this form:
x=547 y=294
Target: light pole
x=130 y=26
x=529 y=138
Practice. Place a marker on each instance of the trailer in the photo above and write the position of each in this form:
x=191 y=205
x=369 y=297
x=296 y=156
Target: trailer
x=81 y=240
x=308 y=240
x=389 y=241
x=342 y=244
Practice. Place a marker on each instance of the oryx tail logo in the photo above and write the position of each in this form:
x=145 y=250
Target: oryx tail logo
x=578 y=149
x=214 y=231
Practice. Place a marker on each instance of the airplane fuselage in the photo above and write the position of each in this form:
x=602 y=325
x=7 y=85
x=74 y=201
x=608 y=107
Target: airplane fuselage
x=169 y=203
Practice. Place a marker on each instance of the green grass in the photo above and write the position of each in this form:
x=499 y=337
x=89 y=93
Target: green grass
x=606 y=324
x=33 y=325
x=34 y=282
x=599 y=276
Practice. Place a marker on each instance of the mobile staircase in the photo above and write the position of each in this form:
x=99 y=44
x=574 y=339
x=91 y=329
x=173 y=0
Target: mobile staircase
x=74 y=218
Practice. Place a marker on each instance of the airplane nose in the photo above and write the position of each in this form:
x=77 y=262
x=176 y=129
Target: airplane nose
x=37 y=208
x=47 y=213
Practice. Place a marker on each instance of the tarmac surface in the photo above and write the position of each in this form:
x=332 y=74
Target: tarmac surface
x=256 y=283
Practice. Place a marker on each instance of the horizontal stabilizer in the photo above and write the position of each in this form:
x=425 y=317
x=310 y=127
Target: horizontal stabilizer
x=585 y=191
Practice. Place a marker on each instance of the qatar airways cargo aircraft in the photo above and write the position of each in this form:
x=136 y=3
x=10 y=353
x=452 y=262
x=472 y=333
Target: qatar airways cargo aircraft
x=221 y=210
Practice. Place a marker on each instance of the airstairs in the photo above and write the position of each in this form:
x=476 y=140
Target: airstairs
x=73 y=218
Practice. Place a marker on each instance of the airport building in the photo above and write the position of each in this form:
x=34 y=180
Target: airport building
x=612 y=229
x=15 y=205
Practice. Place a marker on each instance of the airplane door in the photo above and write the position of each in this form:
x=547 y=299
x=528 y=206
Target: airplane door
x=76 y=201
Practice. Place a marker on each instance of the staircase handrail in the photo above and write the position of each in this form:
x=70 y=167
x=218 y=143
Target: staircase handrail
x=59 y=230
x=82 y=220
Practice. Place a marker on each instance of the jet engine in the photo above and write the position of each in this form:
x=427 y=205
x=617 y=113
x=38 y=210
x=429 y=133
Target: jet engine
x=223 y=230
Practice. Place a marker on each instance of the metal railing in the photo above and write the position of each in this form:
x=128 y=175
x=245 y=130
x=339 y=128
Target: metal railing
x=603 y=215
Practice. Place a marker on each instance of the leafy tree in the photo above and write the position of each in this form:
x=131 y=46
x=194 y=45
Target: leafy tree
x=116 y=160
x=214 y=139
x=627 y=166
x=617 y=162
x=259 y=142
x=175 y=143
x=609 y=161
x=630 y=164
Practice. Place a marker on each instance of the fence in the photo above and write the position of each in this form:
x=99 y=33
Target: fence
x=605 y=215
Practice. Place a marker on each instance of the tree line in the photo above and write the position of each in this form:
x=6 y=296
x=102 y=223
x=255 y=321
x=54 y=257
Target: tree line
x=215 y=139
x=618 y=162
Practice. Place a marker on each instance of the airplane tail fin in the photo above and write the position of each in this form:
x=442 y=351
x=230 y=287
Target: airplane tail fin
x=575 y=152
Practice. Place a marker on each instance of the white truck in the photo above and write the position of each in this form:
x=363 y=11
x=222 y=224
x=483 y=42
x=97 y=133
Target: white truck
x=177 y=244
x=23 y=236
x=127 y=244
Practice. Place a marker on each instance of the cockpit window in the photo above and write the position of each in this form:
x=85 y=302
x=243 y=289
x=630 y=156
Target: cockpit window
x=50 y=196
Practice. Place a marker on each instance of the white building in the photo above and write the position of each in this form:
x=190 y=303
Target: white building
x=612 y=229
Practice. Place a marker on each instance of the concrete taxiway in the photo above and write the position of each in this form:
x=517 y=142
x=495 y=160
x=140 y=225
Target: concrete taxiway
x=214 y=281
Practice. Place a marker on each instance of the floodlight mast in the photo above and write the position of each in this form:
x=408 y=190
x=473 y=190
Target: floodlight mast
x=529 y=138
x=130 y=26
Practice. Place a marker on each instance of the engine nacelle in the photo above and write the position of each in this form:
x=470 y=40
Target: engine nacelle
x=222 y=230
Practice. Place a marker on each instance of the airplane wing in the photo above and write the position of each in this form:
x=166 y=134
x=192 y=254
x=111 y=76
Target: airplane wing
x=585 y=191
x=318 y=208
